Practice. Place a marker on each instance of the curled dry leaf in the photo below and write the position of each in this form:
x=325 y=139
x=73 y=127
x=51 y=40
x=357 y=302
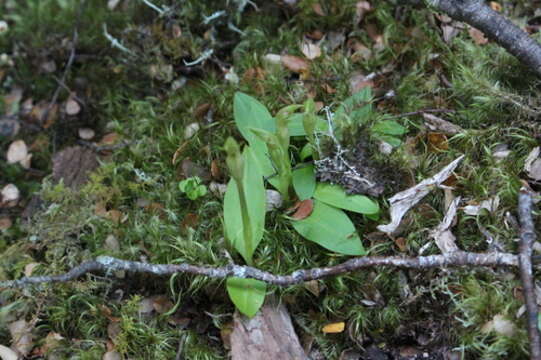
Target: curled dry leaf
x=8 y=354
x=477 y=35
x=334 y=328
x=311 y=51
x=109 y=139
x=532 y=164
x=190 y=130
x=304 y=209
x=361 y=9
x=445 y=240
x=437 y=142
x=501 y=151
x=495 y=6
x=491 y=205
x=21 y=335
x=405 y=200
x=295 y=63
x=5 y=223
x=435 y=123
x=17 y=152
x=500 y=325
x=10 y=192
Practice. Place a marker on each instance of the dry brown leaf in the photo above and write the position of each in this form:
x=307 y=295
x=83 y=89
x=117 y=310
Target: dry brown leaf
x=315 y=35
x=495 y=6
x=449 y=32
x=401 y=243
x=225 y=334
x=162 y=304
x=318 y=9
x=113 y=330
x=215 y=172
x=5 y=223
x=304 y=210
x=21 y=335
x=359 y=81
x=295 y=63
x=311 y=51
x=477 y=35
x=361 y=9
x=435 y=123
x=29 y=268
x=112 y=355
x=17 y=152
x=437 y=142
x=313 y=287
x=190 y=221
x=109 y=139
x=334 y=328
x=146 y=306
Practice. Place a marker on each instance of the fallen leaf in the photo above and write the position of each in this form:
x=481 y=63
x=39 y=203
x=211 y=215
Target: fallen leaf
x=111 y=243
x=311 y=51
x=449 y=32
x=437 y=142
x=532 y=164
x=115 y=216
x=17 y=152
x=72 y=107
x=190 y=130
x=86 y=133
x=401 y=243
x=304 y=210
x=313 y=287
x=176 y=31
x=501 y=151
x=435 y=123
x=215 y=172
x=10 y=192
x=495 y=6
x=162 y=304
x=21 y=335
x=113 y=330
x=361 y=8
x=405 y=200
x=359 y=81
x=12 y=100
x=29 y=268
x=318 y=9
x=190 y=221
x=491 y=205
x=112 y=355
x=315 y=35
x=444 y=238
x=334 y=328
x=477 y=35
x=8 y=354
x=5 y=223
x=500 y=325
x=295 y=63
x=146 y=306
x=109 y=139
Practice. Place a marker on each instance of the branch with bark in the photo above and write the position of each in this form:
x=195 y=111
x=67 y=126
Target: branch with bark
x=496 y=27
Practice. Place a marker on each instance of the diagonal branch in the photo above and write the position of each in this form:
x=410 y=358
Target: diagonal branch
x=495 y=26
x=109 y=264
x=527 y=238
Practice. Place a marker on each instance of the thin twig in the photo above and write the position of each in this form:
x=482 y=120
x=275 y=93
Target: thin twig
x=109 y=265
x=420 y=112
x=527 y=238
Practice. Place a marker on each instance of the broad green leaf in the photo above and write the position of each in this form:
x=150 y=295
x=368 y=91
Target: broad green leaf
x=389 y=127
x=389 y=139
x=306 y=151
x=250 y=113
x=331 y=228
x=296 y=127
x=336 y=196
x=349 y=106
x=304 y=182
x=247 y=294
x=255 y=195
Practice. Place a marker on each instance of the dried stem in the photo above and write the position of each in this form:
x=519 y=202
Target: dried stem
x=527 y=238
x=109 y=264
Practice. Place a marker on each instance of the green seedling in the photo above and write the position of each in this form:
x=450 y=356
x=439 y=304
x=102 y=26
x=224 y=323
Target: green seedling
x=244 y=221
x=193 y=188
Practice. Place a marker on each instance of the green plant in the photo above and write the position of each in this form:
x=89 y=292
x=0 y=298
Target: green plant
x=268 y=155
x=192 y=187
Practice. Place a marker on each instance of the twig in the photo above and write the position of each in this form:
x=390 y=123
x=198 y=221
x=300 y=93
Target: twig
x=204 y=56
x=114 y=42
x=420 y=112
x=495 y=26
x=527 y=238
x=109 y=265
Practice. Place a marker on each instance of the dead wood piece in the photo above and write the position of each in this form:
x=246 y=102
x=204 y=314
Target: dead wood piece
x=495 y=26
x=527 y=238
x=268 y=335
x=73 y=164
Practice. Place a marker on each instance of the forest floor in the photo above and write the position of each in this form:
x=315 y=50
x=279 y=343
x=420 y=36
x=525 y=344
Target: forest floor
x=141 y=94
